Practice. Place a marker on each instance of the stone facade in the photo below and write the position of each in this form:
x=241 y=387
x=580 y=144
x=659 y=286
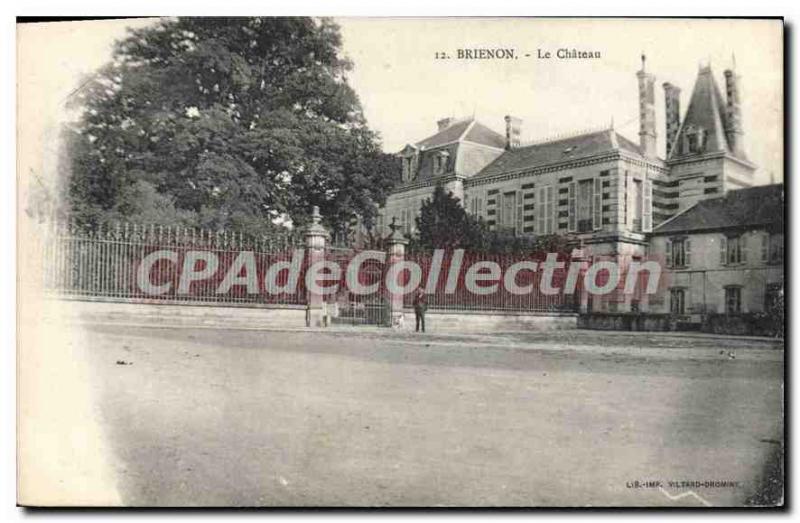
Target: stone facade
x=722 y=256
x=604 y=191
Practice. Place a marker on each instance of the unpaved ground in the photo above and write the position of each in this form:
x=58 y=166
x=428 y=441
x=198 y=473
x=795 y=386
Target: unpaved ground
x=367 y=417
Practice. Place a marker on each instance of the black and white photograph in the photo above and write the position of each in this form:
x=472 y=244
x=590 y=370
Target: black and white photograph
x=391 y=262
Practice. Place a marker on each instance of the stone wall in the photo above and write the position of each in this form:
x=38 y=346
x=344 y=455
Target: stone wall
x=488 y=322
x=160 y=315
x=737 y=324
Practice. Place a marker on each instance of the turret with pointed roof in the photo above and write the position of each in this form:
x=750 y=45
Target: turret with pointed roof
x=704 y=127
x=707 y=158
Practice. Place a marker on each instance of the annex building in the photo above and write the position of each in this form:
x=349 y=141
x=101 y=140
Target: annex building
x=602 y=189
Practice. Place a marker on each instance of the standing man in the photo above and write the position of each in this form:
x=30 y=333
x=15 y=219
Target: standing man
x=420 y=306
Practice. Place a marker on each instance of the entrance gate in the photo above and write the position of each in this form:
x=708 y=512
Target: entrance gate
x=347 y=308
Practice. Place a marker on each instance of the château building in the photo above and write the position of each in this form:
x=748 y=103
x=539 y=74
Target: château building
x=602 y=189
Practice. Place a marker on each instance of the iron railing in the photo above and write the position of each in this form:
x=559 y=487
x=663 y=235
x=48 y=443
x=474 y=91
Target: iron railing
x=104 y=263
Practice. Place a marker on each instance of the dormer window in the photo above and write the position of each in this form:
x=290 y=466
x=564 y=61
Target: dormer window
x=695 y=140
x=410 y=160
x=407 y=163
x=440 y=162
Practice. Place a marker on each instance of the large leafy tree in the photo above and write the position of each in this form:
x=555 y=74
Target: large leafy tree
x=231 y=122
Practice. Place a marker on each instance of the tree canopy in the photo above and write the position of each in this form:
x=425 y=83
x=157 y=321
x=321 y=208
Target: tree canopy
x=232 y=122
x=443 y=223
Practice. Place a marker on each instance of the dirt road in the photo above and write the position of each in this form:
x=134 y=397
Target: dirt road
x=368 y=418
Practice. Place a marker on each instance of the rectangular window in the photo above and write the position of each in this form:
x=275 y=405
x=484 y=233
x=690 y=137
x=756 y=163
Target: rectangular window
x=733 y=300
x=597 y=204
x=476 y=206
x=637 y=202
x=735 y=250
x=647 y=206
x=508 y=210
x=406 y=169
x=677 y=301
x=571 y=207
x=584 y=205
x=776 y=248
x=679 y=253
x=545 y=197
x=692 y=142
x=628 y=184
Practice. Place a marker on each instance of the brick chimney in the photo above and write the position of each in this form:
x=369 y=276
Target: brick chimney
x=513 y=131
x=647 y=112
x=733 y=113
x=672 y=103
x=444 y=123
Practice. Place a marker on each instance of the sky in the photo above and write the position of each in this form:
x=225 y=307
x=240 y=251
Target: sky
x=404 y=89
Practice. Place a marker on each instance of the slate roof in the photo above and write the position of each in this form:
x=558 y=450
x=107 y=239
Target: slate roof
x=469 y=130
x=557 y=151
x=707 y=111
x=481 y=134
x=752 y=207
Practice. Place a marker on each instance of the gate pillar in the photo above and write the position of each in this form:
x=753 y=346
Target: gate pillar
x=580 y=256
x=316 y=236
x=397 y=253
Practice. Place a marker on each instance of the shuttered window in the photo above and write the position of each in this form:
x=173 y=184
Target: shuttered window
x=647 y=206
x=668 y=251
x=545 y=197
x=597 y=207
x=572 y=208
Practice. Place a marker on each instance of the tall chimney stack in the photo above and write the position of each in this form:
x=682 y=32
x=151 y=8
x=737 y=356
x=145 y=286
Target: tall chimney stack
x=647 y=111
x=672 y=102
x=444 y=123
x=733 y=112
x=513 y=131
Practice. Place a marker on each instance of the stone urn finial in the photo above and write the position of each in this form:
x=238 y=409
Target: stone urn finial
x=316 y=228
x=396 y=236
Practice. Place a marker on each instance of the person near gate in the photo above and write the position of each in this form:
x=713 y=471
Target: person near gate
x=420 y=306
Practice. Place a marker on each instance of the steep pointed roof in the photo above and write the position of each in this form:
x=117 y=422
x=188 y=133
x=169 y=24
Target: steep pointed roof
x=706 y=111
x=469 y=130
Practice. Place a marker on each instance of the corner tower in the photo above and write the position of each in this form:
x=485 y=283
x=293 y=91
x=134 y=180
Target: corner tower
x=706 y=158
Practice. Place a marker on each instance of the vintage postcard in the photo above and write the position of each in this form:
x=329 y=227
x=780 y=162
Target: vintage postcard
x=401 y=262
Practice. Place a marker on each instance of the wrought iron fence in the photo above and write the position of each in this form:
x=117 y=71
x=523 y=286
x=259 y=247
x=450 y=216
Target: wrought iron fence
x=459 y=297
x=110 y=263
x=105 y=263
